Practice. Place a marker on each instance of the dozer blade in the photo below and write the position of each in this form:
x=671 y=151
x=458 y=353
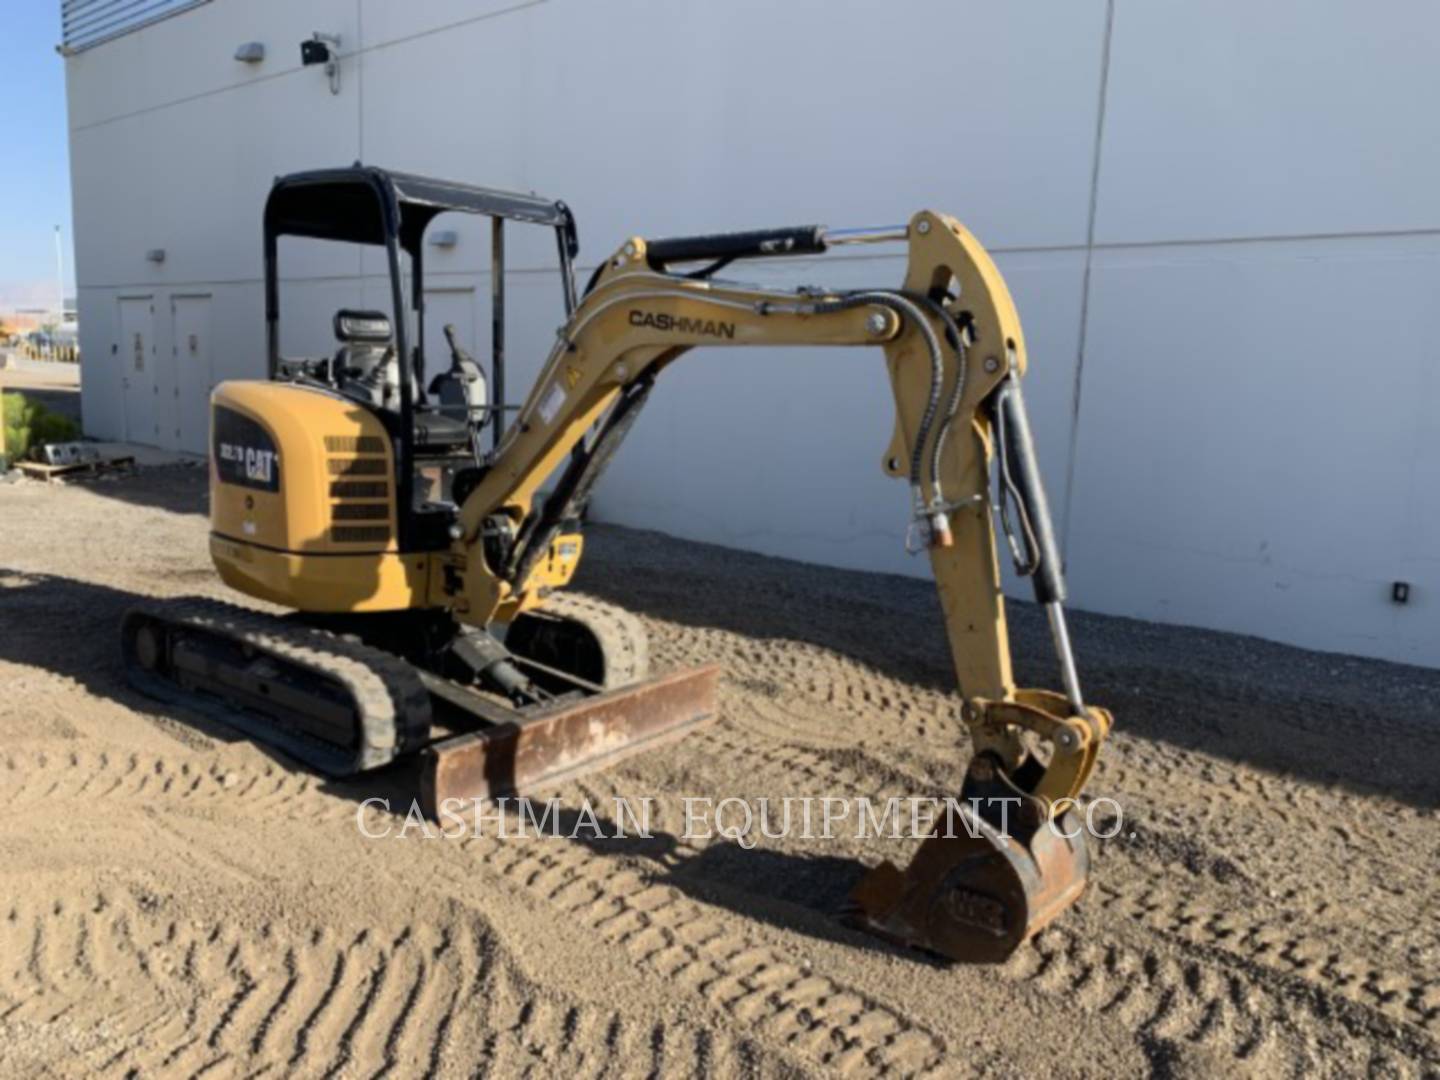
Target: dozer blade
x=547 y=748
x=973 y=893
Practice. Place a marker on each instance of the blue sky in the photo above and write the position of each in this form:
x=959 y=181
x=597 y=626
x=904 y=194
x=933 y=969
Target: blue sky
x=35 y=168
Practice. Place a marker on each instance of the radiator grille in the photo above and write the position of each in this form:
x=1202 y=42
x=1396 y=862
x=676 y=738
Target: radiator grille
x=359 y=489
x=360 y=512
x=358 y=466
x=359 y=456
x=354 y=444
x=360 y=534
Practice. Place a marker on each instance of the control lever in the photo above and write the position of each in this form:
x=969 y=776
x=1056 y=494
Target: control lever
x=458 y=355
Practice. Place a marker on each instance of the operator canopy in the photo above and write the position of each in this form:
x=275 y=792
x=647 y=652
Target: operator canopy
x=382 y=361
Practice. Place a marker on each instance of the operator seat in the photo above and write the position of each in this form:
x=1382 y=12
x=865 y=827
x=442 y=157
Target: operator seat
x=365 y=364
x=367 y=368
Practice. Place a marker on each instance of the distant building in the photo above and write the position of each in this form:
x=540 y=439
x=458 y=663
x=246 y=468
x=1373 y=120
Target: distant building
x=28 y=319
x=1219 y=221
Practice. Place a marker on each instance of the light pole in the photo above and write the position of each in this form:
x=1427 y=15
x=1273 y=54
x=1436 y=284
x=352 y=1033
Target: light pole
x=60 y=275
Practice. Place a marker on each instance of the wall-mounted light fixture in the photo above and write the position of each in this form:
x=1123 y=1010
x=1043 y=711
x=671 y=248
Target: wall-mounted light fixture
x=155 y=255
x=323 y=49
x=252 y=52
x=444 y=238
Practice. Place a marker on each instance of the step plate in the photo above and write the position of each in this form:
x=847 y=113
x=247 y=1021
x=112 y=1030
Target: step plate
x=549 y=748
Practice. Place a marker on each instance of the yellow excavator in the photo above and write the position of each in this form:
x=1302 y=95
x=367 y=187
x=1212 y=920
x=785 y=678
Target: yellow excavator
x=420 y=531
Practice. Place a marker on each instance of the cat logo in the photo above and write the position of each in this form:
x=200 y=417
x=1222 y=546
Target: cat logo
x=259 y=465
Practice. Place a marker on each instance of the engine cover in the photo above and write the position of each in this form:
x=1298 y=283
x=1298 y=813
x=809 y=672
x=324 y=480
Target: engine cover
x=303 y=502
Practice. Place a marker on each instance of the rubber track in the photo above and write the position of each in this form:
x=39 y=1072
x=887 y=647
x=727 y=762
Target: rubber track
x=621 y=635
x=393 y=704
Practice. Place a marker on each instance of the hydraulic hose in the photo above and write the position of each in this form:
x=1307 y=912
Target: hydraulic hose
x=957 y=342
x=906 y=308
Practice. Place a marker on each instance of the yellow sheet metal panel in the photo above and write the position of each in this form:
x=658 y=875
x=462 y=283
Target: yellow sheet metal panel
x=326 y=583
x=297 y=469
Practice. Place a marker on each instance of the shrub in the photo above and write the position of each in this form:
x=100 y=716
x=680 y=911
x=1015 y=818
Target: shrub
x=29 y=423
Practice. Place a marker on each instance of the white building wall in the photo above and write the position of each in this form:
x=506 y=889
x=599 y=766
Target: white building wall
x=1219 y=223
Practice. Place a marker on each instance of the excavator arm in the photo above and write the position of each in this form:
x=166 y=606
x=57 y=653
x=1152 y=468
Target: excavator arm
x=1009 y=856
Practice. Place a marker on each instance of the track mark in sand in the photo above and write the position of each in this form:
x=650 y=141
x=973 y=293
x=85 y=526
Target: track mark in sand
x=1367 y=949
x=699 y=950
x=276 y=1006
x=1243 y=974
x=1275 y=945
x=439 y=994
x=307 y=1011
x=107 y=776
x=826 y=681
x=828 y=771
x=1210 y=1000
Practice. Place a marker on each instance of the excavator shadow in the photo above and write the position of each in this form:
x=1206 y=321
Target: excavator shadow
x=798 y=893
x=69 y=627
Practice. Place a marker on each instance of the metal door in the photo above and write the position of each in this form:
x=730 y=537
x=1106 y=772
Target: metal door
x=194 y=372
x=135 y=352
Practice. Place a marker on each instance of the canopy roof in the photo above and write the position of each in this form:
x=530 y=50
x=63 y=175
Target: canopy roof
x=359 y=204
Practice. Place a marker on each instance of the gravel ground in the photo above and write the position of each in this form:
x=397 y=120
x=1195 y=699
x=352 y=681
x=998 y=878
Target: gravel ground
x=175 y=899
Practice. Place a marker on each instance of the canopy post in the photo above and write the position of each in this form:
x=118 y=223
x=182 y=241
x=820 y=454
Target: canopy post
x=497 y=323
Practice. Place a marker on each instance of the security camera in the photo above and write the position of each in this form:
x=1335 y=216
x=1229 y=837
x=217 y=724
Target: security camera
x=323 y=49
x=314 y=52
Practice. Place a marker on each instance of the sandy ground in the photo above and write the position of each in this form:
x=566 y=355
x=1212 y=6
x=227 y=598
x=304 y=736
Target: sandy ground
x=175 y=900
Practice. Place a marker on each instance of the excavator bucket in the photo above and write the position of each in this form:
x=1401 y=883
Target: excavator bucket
x=975 y=892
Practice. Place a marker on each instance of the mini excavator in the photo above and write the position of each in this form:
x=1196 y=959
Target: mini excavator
x=420 y=533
